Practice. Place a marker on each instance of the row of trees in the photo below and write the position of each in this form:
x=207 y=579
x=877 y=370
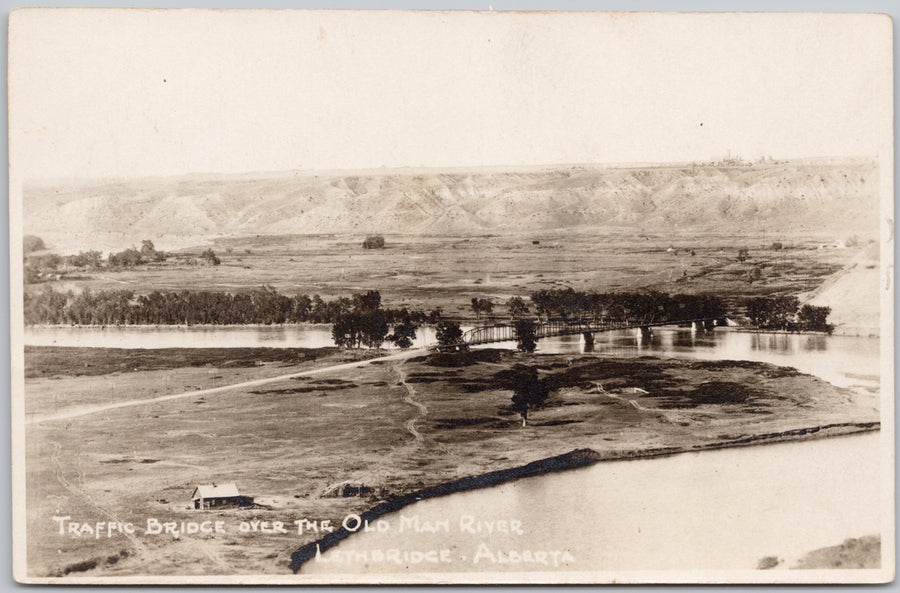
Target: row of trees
x=365 y=323
x=638 y=307
x=39 y=268
x=628 y=307
x=263 y=305
x=482 y=307
x=44 y=266
x=786 y=313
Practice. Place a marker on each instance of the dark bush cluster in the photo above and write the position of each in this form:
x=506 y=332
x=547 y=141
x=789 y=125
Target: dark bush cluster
x=365 y=323
x=627 y=307
x=785 y=313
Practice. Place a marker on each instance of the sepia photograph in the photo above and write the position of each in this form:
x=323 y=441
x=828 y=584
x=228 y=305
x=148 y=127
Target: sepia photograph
x=451 y=297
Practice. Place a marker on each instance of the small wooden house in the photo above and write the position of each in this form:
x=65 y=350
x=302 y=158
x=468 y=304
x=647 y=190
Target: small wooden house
x=207 y=496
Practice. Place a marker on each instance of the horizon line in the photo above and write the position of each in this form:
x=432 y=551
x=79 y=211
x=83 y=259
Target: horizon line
x=432 y=169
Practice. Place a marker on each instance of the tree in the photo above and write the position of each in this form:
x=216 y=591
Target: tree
x=403 y=335
x=357 y=322
x=301 y=307
x=147 y=249
x=50 y=261
x=434 y=316
x=758 y=311
x=784 y=312
x=528 y=391
x=525 y=335
x=743 y=254
x=210 y=256
x=541 y=301
x=85 y=259
x=373 y=328
x=345 y=331
x=448 y=333
x=813 y=318
x=773 y=312
x=516 y=307
x=319 y=311
x=150 y=253
x=125 y=259
x=476 y=308
x=480 y=306
x=368 y=301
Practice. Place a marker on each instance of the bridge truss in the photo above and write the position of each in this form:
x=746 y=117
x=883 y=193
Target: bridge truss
x=491 y=334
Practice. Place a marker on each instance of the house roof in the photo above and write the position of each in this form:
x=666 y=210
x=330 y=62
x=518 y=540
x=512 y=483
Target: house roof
x=215 y=491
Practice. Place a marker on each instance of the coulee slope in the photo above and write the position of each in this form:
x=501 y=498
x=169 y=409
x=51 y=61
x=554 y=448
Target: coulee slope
x=828 y=196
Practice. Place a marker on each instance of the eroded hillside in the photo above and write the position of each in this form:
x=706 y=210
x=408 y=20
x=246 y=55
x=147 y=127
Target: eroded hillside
x=176 y=211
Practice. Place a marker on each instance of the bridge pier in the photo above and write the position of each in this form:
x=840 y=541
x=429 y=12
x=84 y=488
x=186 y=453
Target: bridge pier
x=709 y=325
x=588 y=341
x=646 y=334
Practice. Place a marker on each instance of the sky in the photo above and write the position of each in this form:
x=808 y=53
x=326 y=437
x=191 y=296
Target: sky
x=135 y=93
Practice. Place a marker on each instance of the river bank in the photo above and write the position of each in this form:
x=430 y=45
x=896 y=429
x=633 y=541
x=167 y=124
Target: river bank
x=670 y=518
x=572 y=460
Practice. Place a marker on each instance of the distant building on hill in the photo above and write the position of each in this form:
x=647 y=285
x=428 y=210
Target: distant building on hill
x=374 y=242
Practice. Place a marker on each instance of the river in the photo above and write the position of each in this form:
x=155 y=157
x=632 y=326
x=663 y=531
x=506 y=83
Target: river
x=725 y=509
x=842 y=360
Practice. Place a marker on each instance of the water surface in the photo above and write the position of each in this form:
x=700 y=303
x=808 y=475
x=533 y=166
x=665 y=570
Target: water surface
x=841 y=360
x=723 y=509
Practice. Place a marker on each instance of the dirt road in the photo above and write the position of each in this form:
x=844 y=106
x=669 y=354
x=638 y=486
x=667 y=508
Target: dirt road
x=84 y=411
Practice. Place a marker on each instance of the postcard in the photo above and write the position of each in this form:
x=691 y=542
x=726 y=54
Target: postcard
x=331 y=297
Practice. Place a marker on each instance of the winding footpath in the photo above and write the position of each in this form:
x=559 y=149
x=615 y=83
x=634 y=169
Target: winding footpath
x=410 y=393
x=87 y=410
x=390 y=458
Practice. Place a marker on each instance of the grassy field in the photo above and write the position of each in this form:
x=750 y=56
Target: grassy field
x=392 y=427
x=65 y=379
x=425 y=272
